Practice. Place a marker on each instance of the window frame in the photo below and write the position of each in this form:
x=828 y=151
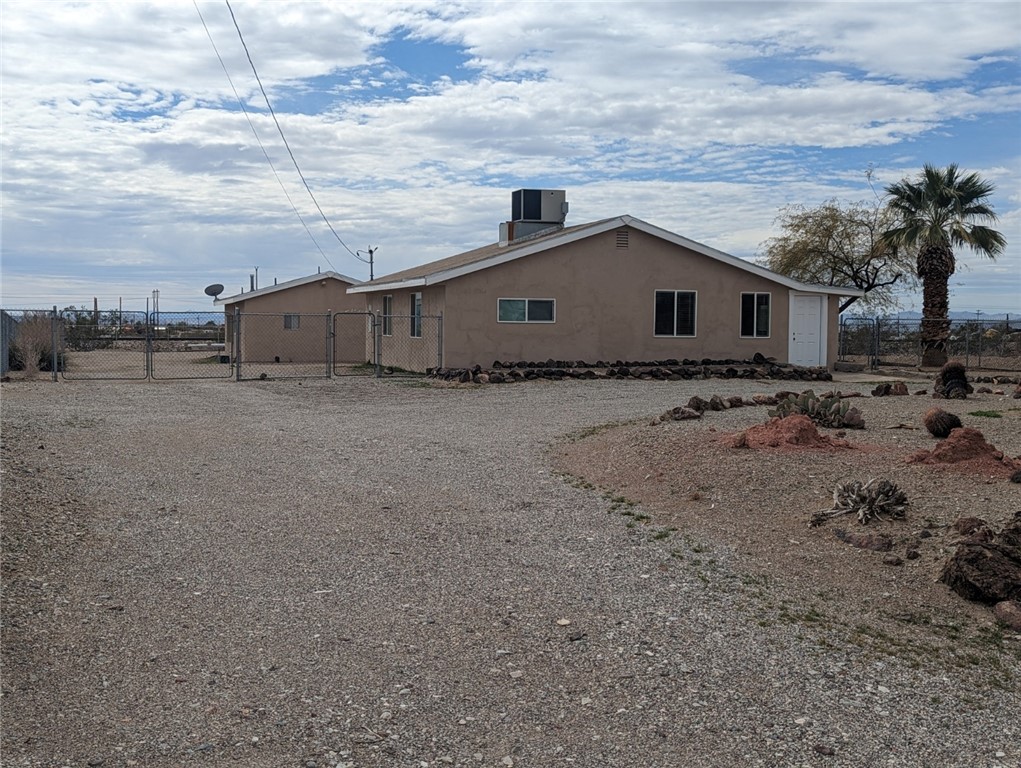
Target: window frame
x=292 y=321
x=526 y=321
x=755 y=315
x=415 y=331
x=694 y=314
x=388 y=314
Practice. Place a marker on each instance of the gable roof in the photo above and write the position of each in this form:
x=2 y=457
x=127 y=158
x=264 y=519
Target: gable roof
x=487 y=256
x=284 y=286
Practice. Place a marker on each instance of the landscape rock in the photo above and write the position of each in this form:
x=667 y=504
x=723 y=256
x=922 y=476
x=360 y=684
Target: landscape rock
x=987 y=571
x=874 y=542
x=966 y=526
x=890 y=388
x=1008 y=613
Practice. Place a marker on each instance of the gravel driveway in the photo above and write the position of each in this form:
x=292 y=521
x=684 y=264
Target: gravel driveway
x=378 y=573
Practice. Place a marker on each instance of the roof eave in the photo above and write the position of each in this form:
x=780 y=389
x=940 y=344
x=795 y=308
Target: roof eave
x=417 y=282
x=330 y=275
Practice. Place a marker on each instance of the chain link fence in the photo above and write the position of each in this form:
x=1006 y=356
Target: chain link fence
x=83 y=344
x=286 y=345
x=979 y=344
x=188 y=345
x=29 y=343
x=409 y=344
x=354 y=346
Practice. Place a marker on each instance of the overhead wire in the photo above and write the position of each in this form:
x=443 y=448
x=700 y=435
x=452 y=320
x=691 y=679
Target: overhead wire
x=255 y=133
x=280 y=130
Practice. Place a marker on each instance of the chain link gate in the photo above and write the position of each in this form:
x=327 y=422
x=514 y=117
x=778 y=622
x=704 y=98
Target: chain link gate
x=354 y=344
x=187 y=345
x=103 y=345
x=284 y=345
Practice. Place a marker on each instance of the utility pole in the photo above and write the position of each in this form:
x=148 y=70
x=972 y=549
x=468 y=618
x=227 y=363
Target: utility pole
x=369 y=261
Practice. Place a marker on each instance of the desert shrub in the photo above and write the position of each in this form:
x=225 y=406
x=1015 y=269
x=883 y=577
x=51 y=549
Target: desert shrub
x=31 y=349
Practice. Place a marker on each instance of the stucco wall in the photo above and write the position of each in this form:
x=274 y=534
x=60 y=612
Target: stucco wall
x=605 y=308
x=400 y=349
x=265 y=339
x=605 y=299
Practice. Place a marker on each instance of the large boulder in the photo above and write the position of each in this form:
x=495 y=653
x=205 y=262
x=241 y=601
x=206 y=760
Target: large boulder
x=987 y=569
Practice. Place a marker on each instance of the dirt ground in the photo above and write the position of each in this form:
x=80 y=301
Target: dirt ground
x=758 y=501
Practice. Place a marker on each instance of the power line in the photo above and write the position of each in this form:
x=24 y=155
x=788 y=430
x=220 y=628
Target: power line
x=280 y=130
x=258 y=140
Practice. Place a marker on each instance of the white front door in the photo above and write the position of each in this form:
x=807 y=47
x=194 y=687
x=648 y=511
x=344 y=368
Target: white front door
x=808 y=330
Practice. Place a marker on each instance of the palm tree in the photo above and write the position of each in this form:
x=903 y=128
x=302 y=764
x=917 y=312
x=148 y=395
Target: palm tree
x=939 y=212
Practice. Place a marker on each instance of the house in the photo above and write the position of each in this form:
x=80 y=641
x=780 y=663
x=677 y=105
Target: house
x=615 y=289
x=290 y=322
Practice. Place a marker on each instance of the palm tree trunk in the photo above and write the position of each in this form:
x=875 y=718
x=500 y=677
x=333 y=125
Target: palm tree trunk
x=935 y=331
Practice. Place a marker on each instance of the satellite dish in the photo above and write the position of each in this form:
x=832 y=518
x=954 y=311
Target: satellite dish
x=214 y=290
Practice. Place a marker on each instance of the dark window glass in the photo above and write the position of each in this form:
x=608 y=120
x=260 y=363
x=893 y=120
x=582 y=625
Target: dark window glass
x=747 y=314
x=685 y=314
x=540 y=311
x=665 y=313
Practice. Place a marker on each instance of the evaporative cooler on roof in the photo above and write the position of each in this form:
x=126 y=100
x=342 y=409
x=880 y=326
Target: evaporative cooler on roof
x=549 y=205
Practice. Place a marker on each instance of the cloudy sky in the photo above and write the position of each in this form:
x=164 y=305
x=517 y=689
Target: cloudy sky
x=129 y=166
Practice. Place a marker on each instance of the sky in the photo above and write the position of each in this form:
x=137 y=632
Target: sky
x=129 y=165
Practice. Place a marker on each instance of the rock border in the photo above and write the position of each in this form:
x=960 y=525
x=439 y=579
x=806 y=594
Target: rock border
x=501 y=372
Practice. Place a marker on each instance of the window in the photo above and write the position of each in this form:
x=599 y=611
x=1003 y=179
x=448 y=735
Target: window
x=755 y=315
x=416 y=315
x=388 y=315
x=526 y=310
x=675 y=313
x=292 y=322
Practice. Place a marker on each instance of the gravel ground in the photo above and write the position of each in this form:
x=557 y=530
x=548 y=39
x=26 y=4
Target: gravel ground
x=378 y=573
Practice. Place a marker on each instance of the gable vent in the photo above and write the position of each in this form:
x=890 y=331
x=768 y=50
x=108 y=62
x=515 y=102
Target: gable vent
x=622 y=235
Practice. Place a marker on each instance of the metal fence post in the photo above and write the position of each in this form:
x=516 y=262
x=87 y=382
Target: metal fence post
x=150 y=332
x=53 y=342
x=377 y=343
x=237 y=343
x=875 y=343
x=439 y=340
x=330 y=343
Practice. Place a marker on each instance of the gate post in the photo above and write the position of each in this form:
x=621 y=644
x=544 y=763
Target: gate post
x=237 y=343
x=150 y=330
x=53 y=342
x=439 y=341
x=875 y=344
x=330 y=343
x=377 y=343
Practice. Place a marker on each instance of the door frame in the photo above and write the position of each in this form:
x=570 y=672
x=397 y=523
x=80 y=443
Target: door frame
x=823 y=326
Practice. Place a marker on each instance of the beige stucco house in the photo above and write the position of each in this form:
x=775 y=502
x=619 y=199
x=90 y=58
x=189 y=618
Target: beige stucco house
x=289 y=322
x=616 y=289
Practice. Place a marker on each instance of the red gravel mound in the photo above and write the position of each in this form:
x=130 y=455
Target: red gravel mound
x=967 y=449
x=793 y=432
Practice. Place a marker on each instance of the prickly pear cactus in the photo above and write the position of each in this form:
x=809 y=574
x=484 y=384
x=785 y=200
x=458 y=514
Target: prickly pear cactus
x=829 y=411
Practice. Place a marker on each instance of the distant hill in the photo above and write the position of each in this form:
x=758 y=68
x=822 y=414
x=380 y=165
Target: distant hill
x=983 y=316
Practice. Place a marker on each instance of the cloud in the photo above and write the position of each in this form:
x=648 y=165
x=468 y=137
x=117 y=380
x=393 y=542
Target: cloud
x=125 y=152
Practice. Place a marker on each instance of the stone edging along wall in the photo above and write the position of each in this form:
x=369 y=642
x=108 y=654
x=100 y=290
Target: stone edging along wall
x=663 y=370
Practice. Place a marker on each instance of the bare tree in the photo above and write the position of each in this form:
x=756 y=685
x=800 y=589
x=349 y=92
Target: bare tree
x=841 y=244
